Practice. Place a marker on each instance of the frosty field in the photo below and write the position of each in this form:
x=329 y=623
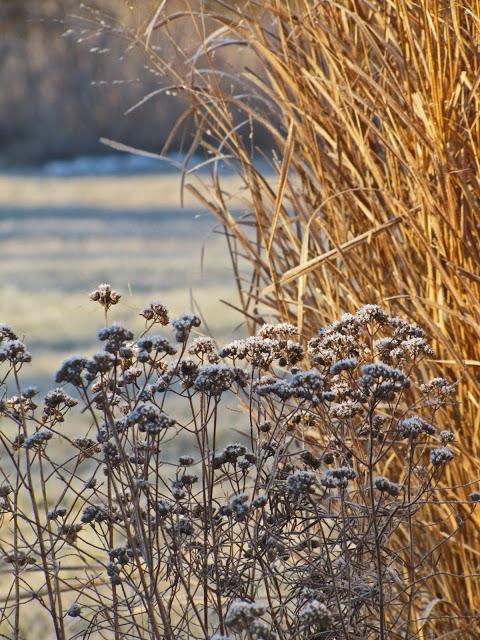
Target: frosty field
x=60 y=237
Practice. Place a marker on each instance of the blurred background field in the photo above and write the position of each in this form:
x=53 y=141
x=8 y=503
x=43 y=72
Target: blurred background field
x=60 y=237
x=72 y=212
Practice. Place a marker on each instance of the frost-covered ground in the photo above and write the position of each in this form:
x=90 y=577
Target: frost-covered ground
x=68 y=227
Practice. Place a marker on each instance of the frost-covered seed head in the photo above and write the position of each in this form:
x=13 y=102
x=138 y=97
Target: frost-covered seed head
x=300 y=482
x=385 y=486
x=74 y=611
x=105 y=295
x=447 y=436
x=441 y=455
x=157 y=312
x=183 y=325
x=315 y=614
x=241 y=614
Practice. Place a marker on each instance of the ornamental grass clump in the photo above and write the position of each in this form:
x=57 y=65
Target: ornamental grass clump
x=293 y=509
x=352 y=128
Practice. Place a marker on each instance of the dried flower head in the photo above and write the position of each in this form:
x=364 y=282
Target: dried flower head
x=105 y=295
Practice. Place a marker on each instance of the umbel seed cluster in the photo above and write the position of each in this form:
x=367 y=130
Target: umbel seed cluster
x=306 y=520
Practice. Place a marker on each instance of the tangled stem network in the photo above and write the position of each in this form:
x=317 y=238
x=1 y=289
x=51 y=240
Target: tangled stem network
x=307 y=522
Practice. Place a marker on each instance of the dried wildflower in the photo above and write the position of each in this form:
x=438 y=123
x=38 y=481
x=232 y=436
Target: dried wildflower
x=88 y=447
x=475 y=496
x=310 y=460
x=385 y=486
x=259 y=352
x=214 y=379
x=282 y=330
x=205 y=349
x=412 y=427
x=59 y=512
x=186 y=461
x=265 y=427
x=37 y=439
x=5 y=490
x=184 y=527
x=70 y=532
x=300 y=482
x=439 y=388
x=100 y=363
x=150 y=419
x=111 y=455
x=241 y=614
x=56 y=400
x=337 y=477
x=75 y=611
x=347 y=364
x=6 y=333
x=244 y=464
x=447 y=436
x=233 y=452
x=153 y=345
x=183 y=325
x=156 y=312
x=15 y=352
x=105 y=295
x=260 y=630
x=71 y=371
x=93 y=513
x=115 y=337
x=373 y=374
x=345 y=410
x=315 y=614
x=164 y=507
x=178 y=490
x=238 y=506
x=260 y=501
x=371 y=313
x=441 y=455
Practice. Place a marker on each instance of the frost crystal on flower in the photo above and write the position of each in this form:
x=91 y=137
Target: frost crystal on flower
x=414 y=426
x=105 y=295
x=300 y=482
x=14 y=351
x=447 y=436
x=217 y=378
x=115 y=337
x=347 y=364
x=378 y=371
x=316 y=614
x=441 y=455
x=74 y=611
x=183 y=325
x=156 y=312
x=58 y=397
x=71 y=371
x=241 y=614
x=150 y=419
x=337 y=477
x=101 y=362
x=37 y=439
x=204 y=348
x=238 y=505
x=385 y=486
x=283 y=329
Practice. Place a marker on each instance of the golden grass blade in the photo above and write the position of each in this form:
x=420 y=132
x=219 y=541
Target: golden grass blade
x=304 y=268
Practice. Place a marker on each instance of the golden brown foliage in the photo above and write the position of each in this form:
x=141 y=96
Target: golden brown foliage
x=373 y=107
